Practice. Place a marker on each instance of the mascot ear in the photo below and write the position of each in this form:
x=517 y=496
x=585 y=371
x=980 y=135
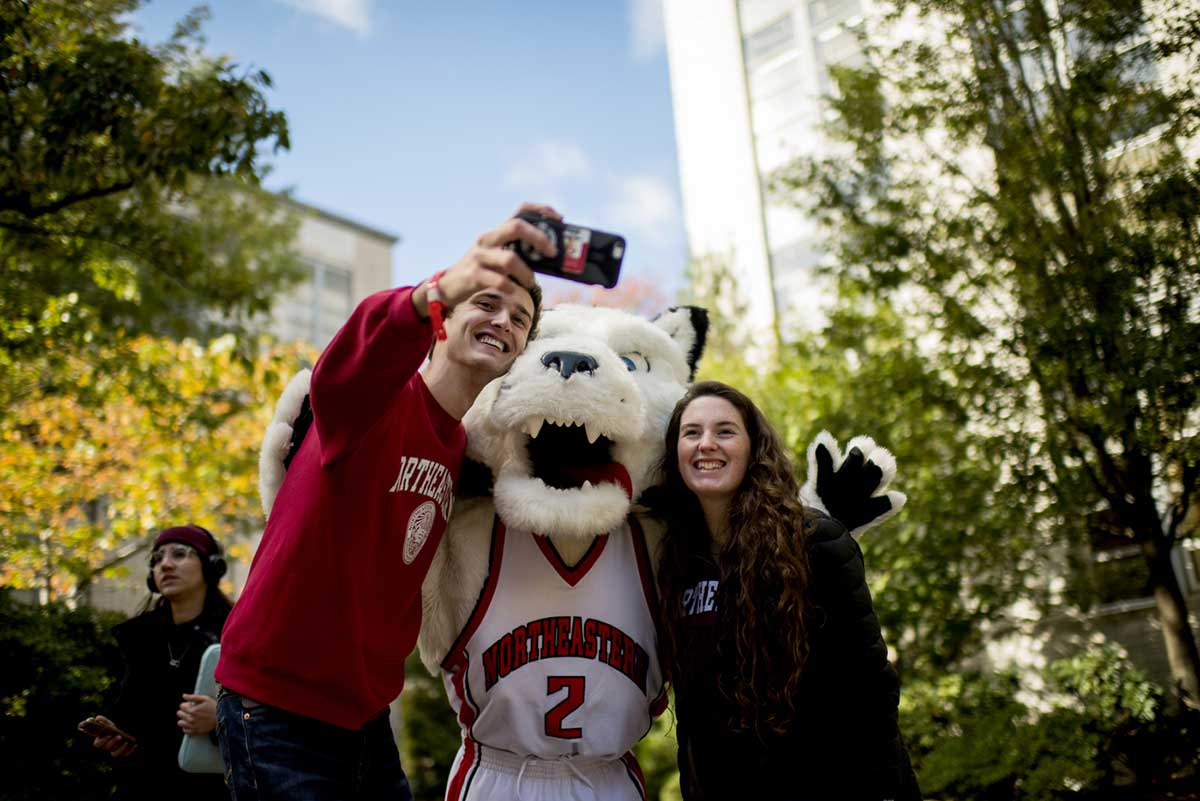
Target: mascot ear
x=688 y=326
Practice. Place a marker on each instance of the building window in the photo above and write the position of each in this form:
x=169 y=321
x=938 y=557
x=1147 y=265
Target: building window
x=782 y=76
x=1119 y=574
x=1114 y=572
x=835 y=42
x=1191 y=553
x=824 y=14
x=769 y=42
x=334 y=302
x=778 y=112
x=318 y=307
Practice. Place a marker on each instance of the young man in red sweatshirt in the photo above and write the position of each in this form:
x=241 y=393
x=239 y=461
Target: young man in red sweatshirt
x=314 y=649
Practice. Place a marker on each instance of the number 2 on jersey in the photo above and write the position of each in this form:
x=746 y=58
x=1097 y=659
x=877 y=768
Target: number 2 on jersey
x=574 y=700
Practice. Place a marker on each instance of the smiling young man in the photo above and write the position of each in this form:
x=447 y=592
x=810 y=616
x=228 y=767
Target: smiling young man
x=314 y=650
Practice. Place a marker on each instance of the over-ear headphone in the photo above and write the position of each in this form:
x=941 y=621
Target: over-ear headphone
x=212 y=566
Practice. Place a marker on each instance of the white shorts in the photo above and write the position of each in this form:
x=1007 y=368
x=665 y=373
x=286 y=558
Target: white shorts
x=481 y=772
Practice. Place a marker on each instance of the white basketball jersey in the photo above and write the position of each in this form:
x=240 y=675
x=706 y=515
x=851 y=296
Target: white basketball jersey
x=557 y=661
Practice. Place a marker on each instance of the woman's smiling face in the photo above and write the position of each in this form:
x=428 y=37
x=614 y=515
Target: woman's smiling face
x=713 y=449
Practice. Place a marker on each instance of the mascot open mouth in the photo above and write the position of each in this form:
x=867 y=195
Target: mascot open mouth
x=572 y=456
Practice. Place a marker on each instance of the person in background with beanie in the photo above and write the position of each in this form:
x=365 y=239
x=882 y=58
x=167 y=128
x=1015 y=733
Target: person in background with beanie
x=162 y=647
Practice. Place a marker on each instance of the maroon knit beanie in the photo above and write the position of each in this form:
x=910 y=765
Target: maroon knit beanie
x=191 y=535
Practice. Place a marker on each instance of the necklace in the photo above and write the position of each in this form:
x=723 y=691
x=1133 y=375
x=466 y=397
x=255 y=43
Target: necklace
x=175 y=660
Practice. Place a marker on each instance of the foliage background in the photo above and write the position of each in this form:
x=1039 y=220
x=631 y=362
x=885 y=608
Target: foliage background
x=139 y=260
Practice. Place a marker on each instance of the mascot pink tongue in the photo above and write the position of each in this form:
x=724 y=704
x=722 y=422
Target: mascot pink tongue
x=611 y=473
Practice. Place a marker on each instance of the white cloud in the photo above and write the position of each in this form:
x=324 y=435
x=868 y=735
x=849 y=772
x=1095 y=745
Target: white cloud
x=647 y=34
x=546 y=165
x=352 y=14
x=644 y=205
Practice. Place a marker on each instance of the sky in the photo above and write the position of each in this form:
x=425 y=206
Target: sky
x=433 y=120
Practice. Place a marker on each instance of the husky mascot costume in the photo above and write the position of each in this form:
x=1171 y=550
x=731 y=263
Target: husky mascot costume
x=539 y=608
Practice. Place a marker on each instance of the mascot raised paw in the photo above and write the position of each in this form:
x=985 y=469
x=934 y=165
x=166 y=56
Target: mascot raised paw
x=539 y=608
x=852 y=490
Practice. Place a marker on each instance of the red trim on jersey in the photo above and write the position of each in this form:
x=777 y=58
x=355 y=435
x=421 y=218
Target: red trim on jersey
x=571 y=575
x=456 y=657
x=643 y=563
x=466 y=708
x=466 y=718
x=635 y=772
x=642 y=552
x=458 y=782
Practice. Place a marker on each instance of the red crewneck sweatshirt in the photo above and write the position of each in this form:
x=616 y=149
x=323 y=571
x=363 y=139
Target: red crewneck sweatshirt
x=332 y=605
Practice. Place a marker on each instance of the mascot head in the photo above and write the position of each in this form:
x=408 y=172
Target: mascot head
x=574 y=432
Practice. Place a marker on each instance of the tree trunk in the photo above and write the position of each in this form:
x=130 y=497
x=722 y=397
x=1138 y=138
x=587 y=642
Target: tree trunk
x=1182 y=654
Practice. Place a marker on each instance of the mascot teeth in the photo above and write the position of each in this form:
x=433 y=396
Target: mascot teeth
x=543 y=433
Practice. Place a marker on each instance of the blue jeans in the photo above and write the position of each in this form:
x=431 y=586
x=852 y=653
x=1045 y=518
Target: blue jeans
x=273 y=754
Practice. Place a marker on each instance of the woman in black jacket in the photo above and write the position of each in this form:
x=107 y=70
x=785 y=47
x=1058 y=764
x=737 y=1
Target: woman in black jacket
x=782 y=685
x=162 y=647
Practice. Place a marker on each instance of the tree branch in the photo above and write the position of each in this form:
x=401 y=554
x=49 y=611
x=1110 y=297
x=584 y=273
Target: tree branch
x=21 y=204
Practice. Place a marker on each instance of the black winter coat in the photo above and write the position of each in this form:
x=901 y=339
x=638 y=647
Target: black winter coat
x=150 y=695
x=845 y=743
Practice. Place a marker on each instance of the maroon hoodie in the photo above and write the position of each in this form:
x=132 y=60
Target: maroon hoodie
x=332 y=605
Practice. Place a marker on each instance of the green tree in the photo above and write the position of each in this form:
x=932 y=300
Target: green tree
x=129 y=198
x=138 y=257
x=83 y=483
x=1018 y=177
x=952 y=561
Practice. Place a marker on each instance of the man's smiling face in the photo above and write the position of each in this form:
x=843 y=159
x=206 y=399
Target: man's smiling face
x=488 y=330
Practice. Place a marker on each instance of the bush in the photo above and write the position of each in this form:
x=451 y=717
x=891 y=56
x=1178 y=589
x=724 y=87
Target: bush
x=970 y=738
x=656 y=754
x=1105 y=735
x=429 y=735
x=61 y=665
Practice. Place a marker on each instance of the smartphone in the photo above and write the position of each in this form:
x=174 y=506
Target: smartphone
x=584 y=254
x=99 y=728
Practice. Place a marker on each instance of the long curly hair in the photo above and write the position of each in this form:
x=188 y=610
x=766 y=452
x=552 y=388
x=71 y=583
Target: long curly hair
x=764 y=573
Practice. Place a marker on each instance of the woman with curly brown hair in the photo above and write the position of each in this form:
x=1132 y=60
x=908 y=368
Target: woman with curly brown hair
x=782 y=684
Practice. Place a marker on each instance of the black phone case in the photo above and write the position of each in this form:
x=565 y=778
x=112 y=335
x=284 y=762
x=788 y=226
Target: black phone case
x=585 y=255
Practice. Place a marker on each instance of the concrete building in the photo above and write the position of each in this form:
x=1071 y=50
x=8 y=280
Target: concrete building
x=746 y=82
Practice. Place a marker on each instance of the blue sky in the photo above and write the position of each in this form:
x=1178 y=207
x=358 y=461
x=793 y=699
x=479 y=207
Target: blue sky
x=434 y=119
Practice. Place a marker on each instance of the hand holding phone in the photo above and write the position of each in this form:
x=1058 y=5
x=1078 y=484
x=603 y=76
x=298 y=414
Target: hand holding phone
x=107 y=736
x=584 y=255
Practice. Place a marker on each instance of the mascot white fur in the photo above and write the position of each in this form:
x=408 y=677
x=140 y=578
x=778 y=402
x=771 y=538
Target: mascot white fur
x=539 y=604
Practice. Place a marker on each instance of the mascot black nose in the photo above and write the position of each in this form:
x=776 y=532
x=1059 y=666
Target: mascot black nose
x=568 y=363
